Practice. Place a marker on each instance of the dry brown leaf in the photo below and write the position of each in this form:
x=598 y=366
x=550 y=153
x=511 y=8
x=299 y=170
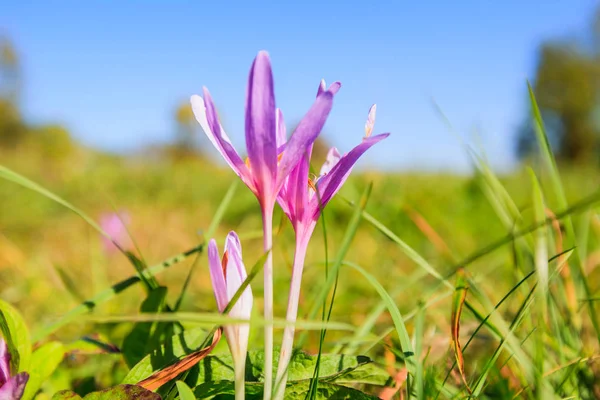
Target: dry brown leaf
x=163 y=376
x=399 y=379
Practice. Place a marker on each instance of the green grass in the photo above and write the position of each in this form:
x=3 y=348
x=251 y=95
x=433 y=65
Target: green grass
x=528 y=328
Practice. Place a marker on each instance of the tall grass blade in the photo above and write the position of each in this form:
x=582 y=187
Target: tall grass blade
x=578 y=270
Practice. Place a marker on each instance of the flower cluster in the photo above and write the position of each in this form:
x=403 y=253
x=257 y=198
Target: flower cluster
x=276 y=171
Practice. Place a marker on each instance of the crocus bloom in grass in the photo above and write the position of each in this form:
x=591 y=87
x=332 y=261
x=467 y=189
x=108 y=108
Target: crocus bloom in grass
x=114 y=224
x=11 y=386
x=227 y=275
x=302 y=201
x=268 y=165
x=299 y=198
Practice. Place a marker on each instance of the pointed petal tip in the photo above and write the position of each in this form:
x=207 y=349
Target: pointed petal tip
x=335 y=87
x=233 y=237
x=322 y=87
x=212 y=245
x=262 y=59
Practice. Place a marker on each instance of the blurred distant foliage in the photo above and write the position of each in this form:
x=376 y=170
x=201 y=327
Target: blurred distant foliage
x=567 y=88
x=53 y=142
x=186 y=131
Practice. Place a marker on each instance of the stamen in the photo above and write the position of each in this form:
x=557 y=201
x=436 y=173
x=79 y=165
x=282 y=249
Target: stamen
x=224 y=261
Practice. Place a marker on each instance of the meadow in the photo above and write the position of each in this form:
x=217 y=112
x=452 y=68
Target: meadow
x=504 y=265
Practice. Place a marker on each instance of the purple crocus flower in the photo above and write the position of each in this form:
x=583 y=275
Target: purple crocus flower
x=268 y=165
x=227 y=275
x=114 y=224
x=11 y=386
x=302 y=201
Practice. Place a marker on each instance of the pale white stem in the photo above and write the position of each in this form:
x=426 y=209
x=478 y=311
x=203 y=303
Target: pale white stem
x=240 y=378
x=292 y=313
x=268 y=300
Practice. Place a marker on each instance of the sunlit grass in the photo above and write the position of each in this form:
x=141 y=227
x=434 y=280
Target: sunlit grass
x=528 y=245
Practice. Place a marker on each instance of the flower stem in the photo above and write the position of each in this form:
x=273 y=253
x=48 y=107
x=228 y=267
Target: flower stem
x=240 y=383
x=267 y=213
x=292 y=313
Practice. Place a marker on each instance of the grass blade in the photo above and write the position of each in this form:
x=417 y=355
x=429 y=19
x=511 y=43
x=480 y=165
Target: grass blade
x=458 y=300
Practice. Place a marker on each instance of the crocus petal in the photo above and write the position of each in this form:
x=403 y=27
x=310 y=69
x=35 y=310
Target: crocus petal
x=370 y=120
x=236 y=274
x=335 y=86
x=322 y=87
x=206 y=115
x=4 y=362
x=281 y=131
x=305 y=134
x=216 y=275
x=333 y=156
x=14 y=388
x=233 y=247
x=293 y=196
x=261 y=140
x=333 y=181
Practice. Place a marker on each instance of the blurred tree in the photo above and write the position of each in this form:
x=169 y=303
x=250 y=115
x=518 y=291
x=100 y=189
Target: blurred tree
x=55 y=142
x=320 y=150
x=9 y=70
x=186 y=126
x=190 y=141
x=567 y=89
x=12 y=127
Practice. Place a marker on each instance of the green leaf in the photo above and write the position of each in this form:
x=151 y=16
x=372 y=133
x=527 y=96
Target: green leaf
x=66 y=395
x=294 y=391
x=299 y=390
x=172 y=350
x=331 y=365
x=16 y=335
x=185 y=393
x=138 y=342
x=333 y=368
x=226 y=390
x=368 y=374
x=44 y=362
x=120 y=392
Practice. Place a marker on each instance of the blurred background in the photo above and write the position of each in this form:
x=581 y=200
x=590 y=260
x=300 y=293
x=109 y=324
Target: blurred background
x=94 y=105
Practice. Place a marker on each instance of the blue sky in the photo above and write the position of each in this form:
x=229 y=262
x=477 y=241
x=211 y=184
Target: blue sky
x=113 y=72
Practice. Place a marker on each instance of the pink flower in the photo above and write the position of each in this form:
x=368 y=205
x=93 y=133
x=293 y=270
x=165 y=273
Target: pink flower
x=227 y=275
x=268 y=164
x=115 y=226
x=11 y=386
x=266 y=167
x=299 y=198
x=302 y=200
